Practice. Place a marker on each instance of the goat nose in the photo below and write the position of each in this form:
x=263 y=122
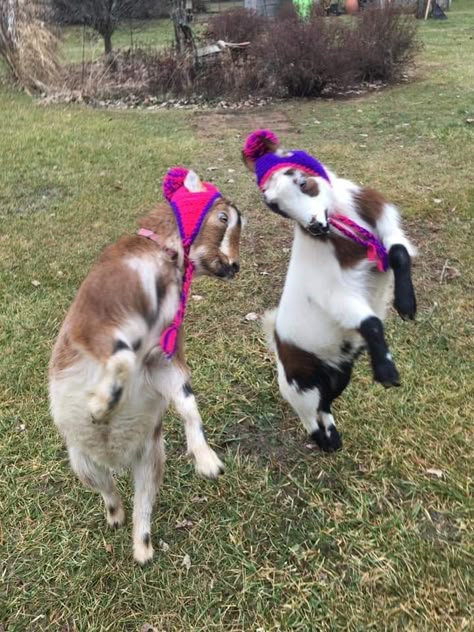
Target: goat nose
x=235 y=267
x=318 y=228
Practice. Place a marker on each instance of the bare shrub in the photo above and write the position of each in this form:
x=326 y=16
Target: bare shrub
x=237 y=25
x=28 y=46
x=306 y=56
x=385 y=42
x=287 y=57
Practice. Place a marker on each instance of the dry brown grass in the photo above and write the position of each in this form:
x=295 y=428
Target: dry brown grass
x=28 y=45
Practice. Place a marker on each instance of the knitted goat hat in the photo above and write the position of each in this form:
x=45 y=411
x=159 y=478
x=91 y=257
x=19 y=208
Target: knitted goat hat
x=259 y=148
x=190 y=209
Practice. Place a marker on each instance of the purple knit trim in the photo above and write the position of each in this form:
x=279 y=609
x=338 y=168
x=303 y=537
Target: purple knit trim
x=376 y=251
x=173 y=181
x=297 y=159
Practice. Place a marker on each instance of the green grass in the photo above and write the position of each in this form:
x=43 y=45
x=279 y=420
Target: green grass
x=288 y=539
x=77 y=41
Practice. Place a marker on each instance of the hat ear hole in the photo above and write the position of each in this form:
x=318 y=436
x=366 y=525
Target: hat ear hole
x=193 y=183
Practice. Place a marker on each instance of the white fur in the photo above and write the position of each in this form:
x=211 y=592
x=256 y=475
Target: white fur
x=100 y=441
x=322 y=304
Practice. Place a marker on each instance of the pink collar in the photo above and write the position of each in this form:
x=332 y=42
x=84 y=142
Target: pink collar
x=149 y=234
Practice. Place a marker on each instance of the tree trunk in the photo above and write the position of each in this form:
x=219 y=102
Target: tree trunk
x=108 y=43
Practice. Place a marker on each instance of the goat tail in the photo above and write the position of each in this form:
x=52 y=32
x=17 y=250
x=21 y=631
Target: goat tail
x=111 y=387
x=268 y=325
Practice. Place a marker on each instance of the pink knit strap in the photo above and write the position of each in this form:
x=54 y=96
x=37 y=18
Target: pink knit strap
x=169 y=337
x=376 y=251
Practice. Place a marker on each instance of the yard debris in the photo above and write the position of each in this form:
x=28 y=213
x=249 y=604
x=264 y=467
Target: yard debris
x=36 y=283
x=164 y=546
x=197 y=297
x=199 y=499
x=146 y=627
x=251 y=316
x=435 y=473
x=184 y=524
x=448 y=272
x=186 y=562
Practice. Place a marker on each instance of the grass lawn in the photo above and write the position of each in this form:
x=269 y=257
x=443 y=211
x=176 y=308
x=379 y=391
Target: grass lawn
x=289 y=538
x=78 y=42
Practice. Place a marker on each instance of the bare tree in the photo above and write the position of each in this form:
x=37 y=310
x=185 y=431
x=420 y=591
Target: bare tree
x=101 y=15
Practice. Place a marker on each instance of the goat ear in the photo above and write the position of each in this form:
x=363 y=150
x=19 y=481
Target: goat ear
x=193 y=183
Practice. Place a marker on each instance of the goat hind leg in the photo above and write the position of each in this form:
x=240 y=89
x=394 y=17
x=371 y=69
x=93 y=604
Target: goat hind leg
x=148 y=473
x=306 y=403
x=99 y=479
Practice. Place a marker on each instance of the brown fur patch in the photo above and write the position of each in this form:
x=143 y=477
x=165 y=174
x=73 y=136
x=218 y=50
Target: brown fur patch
x=112 y=291
x=310 y=187
x=211 y=235
x=370 y=205
x=347 y=252
x=297 y=363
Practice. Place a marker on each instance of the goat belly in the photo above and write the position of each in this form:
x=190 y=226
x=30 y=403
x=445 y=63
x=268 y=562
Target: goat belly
x=306 y=371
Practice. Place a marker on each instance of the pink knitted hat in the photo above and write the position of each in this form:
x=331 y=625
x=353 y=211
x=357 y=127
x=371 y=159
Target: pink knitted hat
x=190 y=209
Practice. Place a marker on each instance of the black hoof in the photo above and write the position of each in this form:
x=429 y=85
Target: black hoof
x=406 y=306
x=329 y=441
x=386 y=373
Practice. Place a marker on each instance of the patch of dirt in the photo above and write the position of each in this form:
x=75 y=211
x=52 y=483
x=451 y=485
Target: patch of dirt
x=275 y=446
x=440 y=528
x=234 y=123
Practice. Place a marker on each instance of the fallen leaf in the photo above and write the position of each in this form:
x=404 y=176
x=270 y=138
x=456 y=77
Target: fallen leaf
x=35 y=283
x=470 y=121
x=437 y=200
x=164 y=546
x=434 y=472
x=197 y=297
x=251 y=316
x=199 y=499
x=146 y=627
x=186 y=562
x=108 y=547
x=184 y=524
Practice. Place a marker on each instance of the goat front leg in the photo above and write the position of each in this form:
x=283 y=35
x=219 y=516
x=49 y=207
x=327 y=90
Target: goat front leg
x=353 y=312
x=206 y=461
x=405 y=299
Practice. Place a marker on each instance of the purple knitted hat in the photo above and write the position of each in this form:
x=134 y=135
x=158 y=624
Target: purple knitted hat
x=259 y=149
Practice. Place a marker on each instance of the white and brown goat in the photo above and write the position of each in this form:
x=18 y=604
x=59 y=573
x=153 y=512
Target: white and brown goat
x=334 y=299
x=109 y=381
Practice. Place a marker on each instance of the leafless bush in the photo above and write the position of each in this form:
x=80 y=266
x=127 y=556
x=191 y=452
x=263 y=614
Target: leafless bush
x=28 y=45
x=385 y=42
x=237 y=25
x=287 y=57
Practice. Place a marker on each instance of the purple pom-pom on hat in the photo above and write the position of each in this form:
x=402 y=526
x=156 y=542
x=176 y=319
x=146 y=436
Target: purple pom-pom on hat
x=173 y=181
x=256 y=144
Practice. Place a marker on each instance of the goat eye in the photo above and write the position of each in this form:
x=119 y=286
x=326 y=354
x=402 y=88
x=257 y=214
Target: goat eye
x=223 y=217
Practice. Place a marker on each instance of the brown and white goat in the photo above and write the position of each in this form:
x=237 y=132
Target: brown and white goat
x=334 y=299
x=109 y=382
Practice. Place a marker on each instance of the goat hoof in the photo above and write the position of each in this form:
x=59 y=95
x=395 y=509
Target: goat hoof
x=386 y=374
x=406 y=306
x=327 y=440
